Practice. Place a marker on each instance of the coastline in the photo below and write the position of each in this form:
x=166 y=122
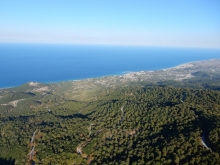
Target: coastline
x=54 y=64
x=121 y=74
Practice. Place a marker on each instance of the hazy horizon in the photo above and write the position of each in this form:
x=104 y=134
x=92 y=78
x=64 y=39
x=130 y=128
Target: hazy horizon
x=160 y=23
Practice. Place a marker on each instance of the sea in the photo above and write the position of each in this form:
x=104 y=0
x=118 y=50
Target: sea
x=49 y=63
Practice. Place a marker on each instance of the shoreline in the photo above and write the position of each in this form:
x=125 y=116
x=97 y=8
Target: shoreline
x=183 y=65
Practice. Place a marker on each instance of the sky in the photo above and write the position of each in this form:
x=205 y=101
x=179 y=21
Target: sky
x=172 y=23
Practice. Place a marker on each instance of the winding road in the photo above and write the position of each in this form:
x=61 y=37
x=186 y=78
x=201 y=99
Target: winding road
x=32 y=138
x=203 y=141
x=122 y=115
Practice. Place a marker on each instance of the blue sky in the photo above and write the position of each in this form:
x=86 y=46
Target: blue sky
x=175 y=23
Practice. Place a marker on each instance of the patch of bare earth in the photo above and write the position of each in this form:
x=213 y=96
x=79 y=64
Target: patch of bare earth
x=35 y=84
x=42 y=89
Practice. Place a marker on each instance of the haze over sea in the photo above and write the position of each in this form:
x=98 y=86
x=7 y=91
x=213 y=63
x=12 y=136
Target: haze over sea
x=22 y=63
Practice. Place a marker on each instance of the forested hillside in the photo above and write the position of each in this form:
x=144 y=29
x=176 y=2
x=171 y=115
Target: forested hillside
x=146 y=124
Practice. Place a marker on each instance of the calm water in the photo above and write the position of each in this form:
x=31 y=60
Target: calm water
x=21 y=63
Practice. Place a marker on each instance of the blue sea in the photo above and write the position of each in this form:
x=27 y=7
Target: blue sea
x=22 y=63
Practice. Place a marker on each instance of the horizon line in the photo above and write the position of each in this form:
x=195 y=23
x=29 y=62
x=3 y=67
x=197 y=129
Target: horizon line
x=111 y=44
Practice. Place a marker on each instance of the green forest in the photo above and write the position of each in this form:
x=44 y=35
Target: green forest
x=124 y=125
